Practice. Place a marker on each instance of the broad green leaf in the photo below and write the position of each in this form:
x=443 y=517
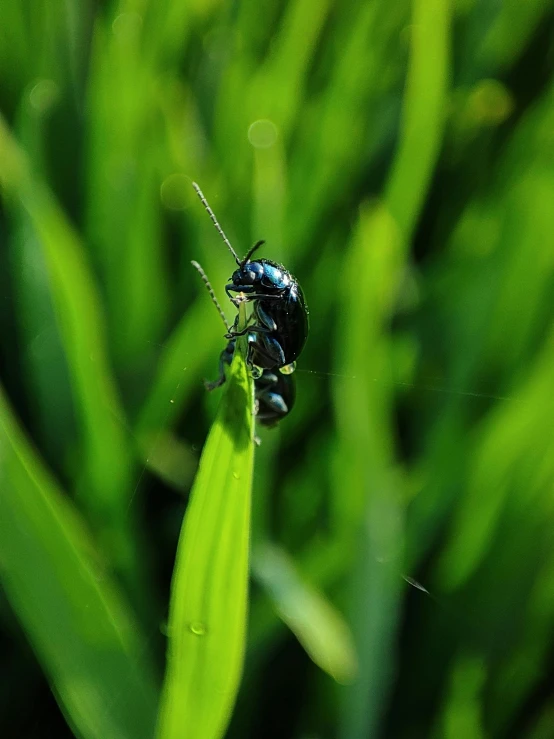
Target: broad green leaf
x=207 y=621
x=82 y=631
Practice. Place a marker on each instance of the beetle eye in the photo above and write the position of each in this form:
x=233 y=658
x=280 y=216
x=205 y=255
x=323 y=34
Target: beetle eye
x=251 y=273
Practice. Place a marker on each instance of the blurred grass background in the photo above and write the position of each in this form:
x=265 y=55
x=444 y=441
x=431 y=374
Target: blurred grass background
x=399 y=159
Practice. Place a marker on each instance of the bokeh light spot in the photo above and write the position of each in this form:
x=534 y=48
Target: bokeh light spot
x=127 y=26
x=44 y=95
x=175 y=191
x=491 y=102
x=262 y=134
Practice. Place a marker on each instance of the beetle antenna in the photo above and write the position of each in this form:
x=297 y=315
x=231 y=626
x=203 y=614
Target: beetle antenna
x=215 y=222
x=251 y=251
x=212 y=294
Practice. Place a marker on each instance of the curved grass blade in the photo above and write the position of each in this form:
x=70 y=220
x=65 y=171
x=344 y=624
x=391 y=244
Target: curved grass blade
x=383 y=241
x=317 y=625
x=424 y=115
x=179 y=370
x=105 y=481
x=207 y=622
x=82 y=632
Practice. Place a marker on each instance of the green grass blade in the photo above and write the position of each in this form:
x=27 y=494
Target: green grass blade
x=513 y=26
x=123 y=220
x=368 y=510
x=463 y=708
x=82 y=632
x=501 y=448
x=317 y=625
x=207 y=622
x=179 y=369
x=105 y=480
x=424 y=114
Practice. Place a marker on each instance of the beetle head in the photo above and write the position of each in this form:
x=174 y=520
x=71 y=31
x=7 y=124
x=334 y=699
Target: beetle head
x=248 y=274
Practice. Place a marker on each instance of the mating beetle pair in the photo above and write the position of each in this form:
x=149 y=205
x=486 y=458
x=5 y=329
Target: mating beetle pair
x=278 y=330
x=275 y=393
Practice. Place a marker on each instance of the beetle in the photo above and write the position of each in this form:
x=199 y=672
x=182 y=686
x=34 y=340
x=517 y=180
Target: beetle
x=275 y=395
x=275 y=392
x=280 y=314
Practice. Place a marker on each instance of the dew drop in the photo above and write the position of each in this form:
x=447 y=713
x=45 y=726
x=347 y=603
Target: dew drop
x=288 y=369
x=197 y=628
x=236 y=475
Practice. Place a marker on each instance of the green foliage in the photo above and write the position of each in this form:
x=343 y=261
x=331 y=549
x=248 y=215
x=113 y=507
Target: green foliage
x=398 y=158
x=84 y=634
x=207 y=619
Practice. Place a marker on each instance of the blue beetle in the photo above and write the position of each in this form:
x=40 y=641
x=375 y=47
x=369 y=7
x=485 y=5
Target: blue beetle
x=274 y=392
x=275 y=395
x=280 y=317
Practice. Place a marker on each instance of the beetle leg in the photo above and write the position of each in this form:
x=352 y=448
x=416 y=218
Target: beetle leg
x=267 y=380
x=274 y=401
x=225 y=358
x=264 y=296
x=212 y=385
x=248 y=330
x=269 y=347
x=266 y=345
x=265 y=318
x=237 y=289
x=249 y=295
